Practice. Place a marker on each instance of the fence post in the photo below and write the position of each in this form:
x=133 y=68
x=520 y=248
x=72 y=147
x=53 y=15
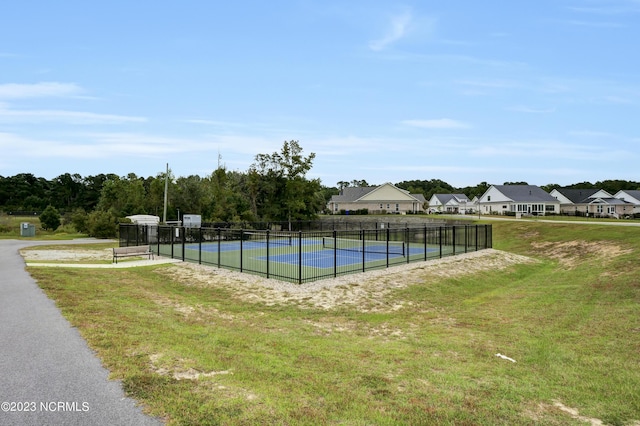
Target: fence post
x=335 y=253
x=299 y=257
x=364 y=253
x=387 y=247
x=454 y=239
x=200 y=246
x=172 y=240
x=267 y=253
x=476 y=237
x=219 y=243
x=466 y=237
x=440 y=239
x=407 y=238
x=241 y=239
x=183 y=233
x=424 y=236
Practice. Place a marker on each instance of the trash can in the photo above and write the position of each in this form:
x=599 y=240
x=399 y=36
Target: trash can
x=27 y=230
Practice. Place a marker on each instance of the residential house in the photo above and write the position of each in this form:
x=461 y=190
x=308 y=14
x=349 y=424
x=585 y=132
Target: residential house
x=591 y=202
x=450 y=203
x=381 y=199
x=518 y=200
x=630 y=196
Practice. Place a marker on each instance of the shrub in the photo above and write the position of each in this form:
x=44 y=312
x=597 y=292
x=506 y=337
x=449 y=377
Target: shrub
x=101 y=224
x=79 y=220
x=50 y=218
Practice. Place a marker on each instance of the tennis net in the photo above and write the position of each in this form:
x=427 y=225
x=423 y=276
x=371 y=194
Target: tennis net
x=368 y=246
x=261 y=238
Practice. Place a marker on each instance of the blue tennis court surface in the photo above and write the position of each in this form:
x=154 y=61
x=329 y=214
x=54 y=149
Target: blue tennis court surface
x=317 y=257
x=246 y=245
x=325 y=258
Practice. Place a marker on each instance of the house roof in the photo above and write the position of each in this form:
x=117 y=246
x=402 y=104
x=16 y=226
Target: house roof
x=631 y=193
x=525 y=193
x=610 y=201
x=445 y=198
x=577 y=196
x=352 y=194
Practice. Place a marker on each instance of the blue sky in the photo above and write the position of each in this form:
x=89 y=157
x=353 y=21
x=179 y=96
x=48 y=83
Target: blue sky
x=467 y=91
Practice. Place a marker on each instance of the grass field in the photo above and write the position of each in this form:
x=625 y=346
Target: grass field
x=205 y=355
x=10 y=228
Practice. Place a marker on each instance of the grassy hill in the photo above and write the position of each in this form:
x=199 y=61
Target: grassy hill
x=218 y=352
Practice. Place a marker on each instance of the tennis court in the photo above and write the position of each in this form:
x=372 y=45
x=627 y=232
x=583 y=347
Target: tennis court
x=328 y=258
x=308 y=256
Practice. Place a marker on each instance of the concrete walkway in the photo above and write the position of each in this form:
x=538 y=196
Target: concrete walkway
x=48 y=374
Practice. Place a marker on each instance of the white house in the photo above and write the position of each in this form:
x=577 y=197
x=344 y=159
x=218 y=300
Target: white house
x=591 y=202
x=449 y=203
x=518 y=199
x=630 y=196
x=385 y=198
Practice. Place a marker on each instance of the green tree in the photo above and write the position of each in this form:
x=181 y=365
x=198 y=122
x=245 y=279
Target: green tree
x=79 y=220
x=191 y=195
x=65 y=190
x=50 y=218
x=123 y=196
x=279 y=185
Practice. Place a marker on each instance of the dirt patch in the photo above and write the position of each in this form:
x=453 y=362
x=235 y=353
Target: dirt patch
x=179 y=371
x=195 y=312
x=71 y=255
x=572 y=253
x=365 y=291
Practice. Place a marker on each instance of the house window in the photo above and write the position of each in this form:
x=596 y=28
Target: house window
x=388 y=205
x=397 y=207
x=380 y=206
x=488 y=197
x=599 y=209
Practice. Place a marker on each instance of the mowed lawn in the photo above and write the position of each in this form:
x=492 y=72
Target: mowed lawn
x=205 y=355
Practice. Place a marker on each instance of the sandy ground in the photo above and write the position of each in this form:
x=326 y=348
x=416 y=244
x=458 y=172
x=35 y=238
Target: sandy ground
x=72 y=254
x=366 y=292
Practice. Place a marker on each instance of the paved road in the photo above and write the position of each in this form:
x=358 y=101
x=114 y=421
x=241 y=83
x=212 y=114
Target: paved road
x=46 y=367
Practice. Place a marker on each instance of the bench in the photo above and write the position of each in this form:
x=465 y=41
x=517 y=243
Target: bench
x=119 y=252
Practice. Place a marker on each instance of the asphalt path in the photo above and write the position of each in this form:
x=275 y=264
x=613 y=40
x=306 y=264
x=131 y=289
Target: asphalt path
x=48 y=374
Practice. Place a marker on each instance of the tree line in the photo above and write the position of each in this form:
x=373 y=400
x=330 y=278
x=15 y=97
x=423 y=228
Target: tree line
x=275 y=188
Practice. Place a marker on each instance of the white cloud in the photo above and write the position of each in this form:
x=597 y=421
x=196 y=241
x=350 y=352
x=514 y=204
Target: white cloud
x=593 y=24
x=441 y=123
x=617 y=100
x=72 y=117
x=592 y=134
x=549 y=149
x=491 y=84
x=530 y=110
x=38 y=90
x=398 y=28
